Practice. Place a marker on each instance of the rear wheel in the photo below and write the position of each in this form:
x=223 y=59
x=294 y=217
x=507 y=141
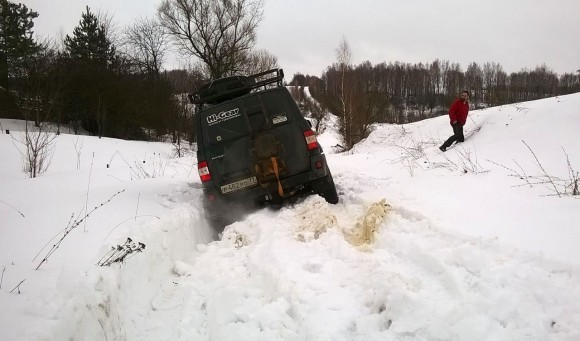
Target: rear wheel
x=217 y=223
x=223 y=213
x=325 y=188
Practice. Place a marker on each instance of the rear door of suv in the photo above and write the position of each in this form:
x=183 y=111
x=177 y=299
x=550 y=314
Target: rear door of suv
x=230 y=131
x=226 y=140
x=274 y=116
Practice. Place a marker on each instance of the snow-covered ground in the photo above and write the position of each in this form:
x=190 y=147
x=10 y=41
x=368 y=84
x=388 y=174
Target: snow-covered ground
x=423 y=245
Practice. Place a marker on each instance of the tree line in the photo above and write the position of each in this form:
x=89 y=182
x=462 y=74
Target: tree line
x=112 y=83
x=398 y=92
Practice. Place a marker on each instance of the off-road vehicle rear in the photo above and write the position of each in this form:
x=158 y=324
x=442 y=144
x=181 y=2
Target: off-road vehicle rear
x=254 y=146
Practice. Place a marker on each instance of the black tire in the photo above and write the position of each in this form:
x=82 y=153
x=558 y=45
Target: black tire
x=325 y=188
x=223 y=214
x=216 y=222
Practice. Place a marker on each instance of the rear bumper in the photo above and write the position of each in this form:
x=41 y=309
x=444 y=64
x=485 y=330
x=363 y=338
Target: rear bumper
x=250 y=197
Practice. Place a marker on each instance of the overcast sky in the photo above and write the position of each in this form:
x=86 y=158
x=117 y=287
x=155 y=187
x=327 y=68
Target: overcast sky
x=304 y=34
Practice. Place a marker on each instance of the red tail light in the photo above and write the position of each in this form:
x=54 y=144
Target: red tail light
x=311 y=141
x=203 y=171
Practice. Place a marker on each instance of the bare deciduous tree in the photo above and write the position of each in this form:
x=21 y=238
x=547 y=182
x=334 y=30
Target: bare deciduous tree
x=344 y=60
x=107 y=20
x=474 y=82
x=36 y=147
x=38 y=103
x=219 y=33
x=147 y=45
x=317 y=112
x=259 y=61
x=182 y=121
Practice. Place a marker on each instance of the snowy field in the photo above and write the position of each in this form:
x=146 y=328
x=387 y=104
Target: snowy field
x=478 y=243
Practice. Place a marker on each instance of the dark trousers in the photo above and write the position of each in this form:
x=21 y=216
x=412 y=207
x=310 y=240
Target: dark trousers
x=457 y=136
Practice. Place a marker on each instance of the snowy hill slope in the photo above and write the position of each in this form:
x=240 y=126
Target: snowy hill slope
x=489 y=200
x=423 y=245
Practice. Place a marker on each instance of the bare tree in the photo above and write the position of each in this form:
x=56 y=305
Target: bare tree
x=181 y=122
x=344 y=60
x=147 y=45
x=258 y=61
x=107 y=20
x=317 y=112
x=41 y=88
x=474 y=82
x=39 y=102
x=495 y=83
x=344 y=54
x=219 y=33
x=36 y=147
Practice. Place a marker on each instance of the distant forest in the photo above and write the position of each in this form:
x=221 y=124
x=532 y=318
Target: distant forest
x=402 y=93
x=111 y=82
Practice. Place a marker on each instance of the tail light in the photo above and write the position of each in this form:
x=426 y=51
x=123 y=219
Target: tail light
x=203 y=171
x=311 y=141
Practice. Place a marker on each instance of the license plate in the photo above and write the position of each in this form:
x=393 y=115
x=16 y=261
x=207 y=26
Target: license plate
x=234 y=186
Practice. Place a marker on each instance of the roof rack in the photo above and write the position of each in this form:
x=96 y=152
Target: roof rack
x=222 y=89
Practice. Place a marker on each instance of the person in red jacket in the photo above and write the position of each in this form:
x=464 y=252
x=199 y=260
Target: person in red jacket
x=457 y=117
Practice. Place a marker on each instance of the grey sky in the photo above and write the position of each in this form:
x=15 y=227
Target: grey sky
x=304 y=34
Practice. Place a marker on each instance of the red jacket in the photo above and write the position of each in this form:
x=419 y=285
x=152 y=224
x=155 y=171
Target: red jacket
x=458 y=112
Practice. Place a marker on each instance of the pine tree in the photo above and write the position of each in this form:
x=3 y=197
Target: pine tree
x=89 y=42
x=91 y=60
x=17 y=46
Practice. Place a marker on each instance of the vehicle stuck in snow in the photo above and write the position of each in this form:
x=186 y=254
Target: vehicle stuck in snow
x=254 y=146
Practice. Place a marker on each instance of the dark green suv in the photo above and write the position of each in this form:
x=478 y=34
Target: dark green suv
x=254 y=146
